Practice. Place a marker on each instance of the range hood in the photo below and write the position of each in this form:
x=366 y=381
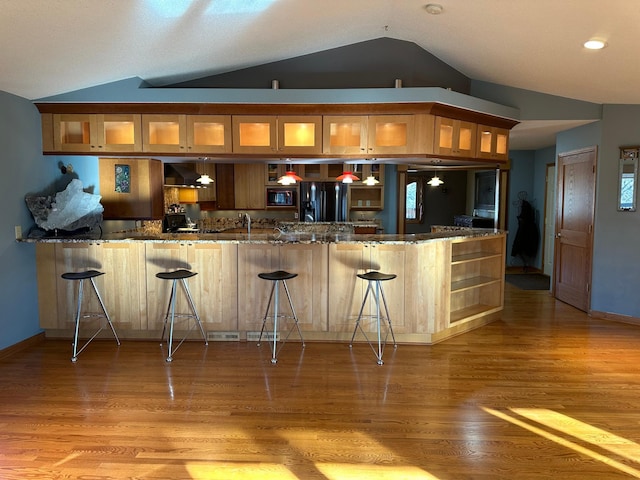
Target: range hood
x=180 y=175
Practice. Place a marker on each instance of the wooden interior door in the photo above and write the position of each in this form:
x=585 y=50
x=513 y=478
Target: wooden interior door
x=574 y=227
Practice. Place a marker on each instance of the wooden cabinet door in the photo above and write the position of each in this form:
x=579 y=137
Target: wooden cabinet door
x=249 y=186
x=253 y=292
x=215 y=288
x=309 y=289
x=454 y=137
x=164 y=257
x=123 y=286
x=208 y=134
x=207 y=193
x=225 y=188
x=346 y=290
x=131 y=188
x=493 y=143
x=164 y=133
x=344 y=135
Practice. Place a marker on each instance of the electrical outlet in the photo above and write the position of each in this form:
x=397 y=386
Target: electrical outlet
x=295 y=215
x=18 y=232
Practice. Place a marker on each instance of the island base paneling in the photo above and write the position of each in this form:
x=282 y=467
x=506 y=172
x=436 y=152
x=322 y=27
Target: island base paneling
x=444 y=286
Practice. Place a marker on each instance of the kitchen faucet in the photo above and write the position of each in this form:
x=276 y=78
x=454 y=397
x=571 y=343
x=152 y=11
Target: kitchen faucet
x=247 y=218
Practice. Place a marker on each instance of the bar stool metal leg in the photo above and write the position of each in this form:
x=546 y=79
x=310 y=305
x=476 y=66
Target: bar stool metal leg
x=274 y=297
x=171 y=314
x=81 y=277
x=375 y=278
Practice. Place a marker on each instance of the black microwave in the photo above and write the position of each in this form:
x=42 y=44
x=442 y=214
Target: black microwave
x=281 y=197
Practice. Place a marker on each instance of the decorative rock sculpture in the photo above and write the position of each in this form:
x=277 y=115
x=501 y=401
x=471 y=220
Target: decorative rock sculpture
x=68 y=210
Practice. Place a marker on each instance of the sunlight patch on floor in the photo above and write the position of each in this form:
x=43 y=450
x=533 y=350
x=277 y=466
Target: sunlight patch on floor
x=560 y=440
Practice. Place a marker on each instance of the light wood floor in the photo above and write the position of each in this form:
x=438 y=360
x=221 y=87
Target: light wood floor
x=545 y=393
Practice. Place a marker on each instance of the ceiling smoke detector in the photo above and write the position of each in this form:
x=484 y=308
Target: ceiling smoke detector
x=433 y=8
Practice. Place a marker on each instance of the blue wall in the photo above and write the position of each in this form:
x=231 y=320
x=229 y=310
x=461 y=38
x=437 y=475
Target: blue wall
x=25 y=170
x=616 y=254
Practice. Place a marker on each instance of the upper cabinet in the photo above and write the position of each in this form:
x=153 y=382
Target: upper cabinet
x=493 y=143
x=131 y=188
x=304 y=131
x=96 y=133
x=208 y=134
x=270 y=134
x=454 y=138
x=368 y=135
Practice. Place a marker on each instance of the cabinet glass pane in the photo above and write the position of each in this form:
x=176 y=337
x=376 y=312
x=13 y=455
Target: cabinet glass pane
x=255 y=135
x=344 y=135
x=119 y=133
x=299 y=134
x=446 y=136
x=501 y=144
x=75 y=132
x=164 y=133
x=464 y=143
x=391 y=134
x=485 y=141
x=206 y=133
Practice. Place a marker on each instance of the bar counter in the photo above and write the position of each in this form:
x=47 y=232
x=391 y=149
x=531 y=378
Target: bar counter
x=448 y=282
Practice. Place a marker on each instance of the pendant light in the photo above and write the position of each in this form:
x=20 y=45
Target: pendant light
x=347 y=177
x=204 y=179
x=289 y=178
x=435 y=181
x=371 y=180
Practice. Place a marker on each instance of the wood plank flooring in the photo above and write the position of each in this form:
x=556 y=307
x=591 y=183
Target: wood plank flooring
x=545 y=393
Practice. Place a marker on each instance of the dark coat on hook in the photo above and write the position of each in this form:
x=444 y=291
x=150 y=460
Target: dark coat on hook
x=527 y=237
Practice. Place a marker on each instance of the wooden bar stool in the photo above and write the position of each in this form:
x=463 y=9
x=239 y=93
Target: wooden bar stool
x=374 y=286
x=278 y=277
x=81 y=277
x=171 y=314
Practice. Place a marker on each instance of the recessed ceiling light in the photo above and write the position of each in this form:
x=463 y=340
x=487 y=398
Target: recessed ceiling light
x=595 y=44
x=433 y=8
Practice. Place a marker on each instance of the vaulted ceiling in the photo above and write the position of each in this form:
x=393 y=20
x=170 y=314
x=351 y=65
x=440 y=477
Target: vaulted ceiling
x=54 y=46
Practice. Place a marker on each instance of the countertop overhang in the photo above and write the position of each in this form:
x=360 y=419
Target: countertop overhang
x=274 y=237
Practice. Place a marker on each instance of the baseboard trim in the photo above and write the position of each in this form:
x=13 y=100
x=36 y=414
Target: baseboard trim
x=24 y=344
x=616 y=317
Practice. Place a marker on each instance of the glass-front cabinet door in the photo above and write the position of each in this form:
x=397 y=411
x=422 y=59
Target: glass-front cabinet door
x=254 y=133
x=391 y=134
x=300 y=134
x=164 y=133
x=345 y=135
x=119 y=133
x=209 y=134
x=74 y=132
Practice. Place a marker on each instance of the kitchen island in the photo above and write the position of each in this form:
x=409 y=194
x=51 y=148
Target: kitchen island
x=448 y=282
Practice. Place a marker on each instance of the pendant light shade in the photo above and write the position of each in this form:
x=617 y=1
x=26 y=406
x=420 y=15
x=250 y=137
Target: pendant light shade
x=289 y=178
x=371 y=180
x=435 y=181
x=347 y=177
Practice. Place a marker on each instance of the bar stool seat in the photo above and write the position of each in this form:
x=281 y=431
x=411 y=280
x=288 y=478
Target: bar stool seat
x=277 y=277
x=374 y=286
x=81 y=277
x=175 y=276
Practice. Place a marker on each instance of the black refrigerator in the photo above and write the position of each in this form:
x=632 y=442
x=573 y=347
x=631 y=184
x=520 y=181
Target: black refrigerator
x=323 y=202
